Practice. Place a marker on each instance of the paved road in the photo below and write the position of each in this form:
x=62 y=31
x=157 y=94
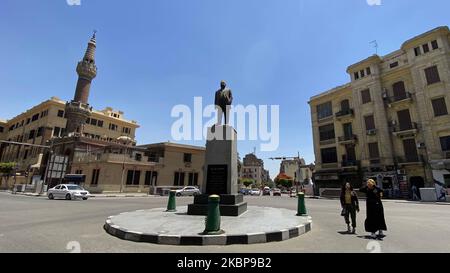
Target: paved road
x=36 y=224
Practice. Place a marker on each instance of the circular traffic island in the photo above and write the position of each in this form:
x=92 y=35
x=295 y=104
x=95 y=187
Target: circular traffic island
x=256 y=225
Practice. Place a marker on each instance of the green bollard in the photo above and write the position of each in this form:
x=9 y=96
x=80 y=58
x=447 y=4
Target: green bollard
x=212 y=221
x=171 y=205
x=301 y=208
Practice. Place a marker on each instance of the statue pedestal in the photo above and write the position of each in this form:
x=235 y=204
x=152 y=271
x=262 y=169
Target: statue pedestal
x=220 y=173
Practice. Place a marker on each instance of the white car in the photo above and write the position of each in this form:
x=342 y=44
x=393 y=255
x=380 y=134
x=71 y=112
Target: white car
x=188 y=191
x=255 y=192
x=68 y=192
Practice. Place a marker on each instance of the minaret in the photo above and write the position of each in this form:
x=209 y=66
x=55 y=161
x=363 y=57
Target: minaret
x=78 y=110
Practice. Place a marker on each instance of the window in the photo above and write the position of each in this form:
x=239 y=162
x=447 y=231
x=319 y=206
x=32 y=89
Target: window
x=1 y=129
x=28 y=120
x=93 y=121
x=368 y=71
x=348 y=130
x=345 y=105
x=187 y=158
x=95 y=174
x=31 y=135
x=445 y=143
x=417 y=51
x=326 y=132
x=399 y=90
x=432 y=75
x=100 y=123
x=133 y=177
x=138 y=157
x=434 y=45
x=112 y=127
x=426 y=48
x=324 y=110
x=370 y=122
x=40 y=131
x=126 y=130
x=329 y=155
x=365 y=96
x=60 y=113
x=79 y=172
x=44 y=113
x=439 y=107
x=56 y=132
x=393 y=65
x=148 y=178
x=178 y=179
x=193 y=179
x=362 y=73
x=35 y=117
x=356 y=75
x=373 y=150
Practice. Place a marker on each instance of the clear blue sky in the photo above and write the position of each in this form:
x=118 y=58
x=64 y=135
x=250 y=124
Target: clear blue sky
x=154 y=54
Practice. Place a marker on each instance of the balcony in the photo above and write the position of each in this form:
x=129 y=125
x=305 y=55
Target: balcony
x=345 y=113
x=410 y=160
x=371 y=132
x=351 y=139
x=405 y=129
x=407 y=97
x=350 y=164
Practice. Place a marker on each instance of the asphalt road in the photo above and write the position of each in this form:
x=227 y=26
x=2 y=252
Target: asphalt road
x=36 y=224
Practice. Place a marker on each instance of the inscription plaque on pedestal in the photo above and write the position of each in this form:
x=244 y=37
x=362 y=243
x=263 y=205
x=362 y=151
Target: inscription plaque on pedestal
x=216 y=179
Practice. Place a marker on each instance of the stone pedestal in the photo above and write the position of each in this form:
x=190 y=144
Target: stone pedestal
x=220 y=174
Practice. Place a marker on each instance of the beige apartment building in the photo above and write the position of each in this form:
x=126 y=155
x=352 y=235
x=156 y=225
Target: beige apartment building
x=253 y=168
x=391 y=122
x=46 y=121
x=146 y=168
x=294 y=169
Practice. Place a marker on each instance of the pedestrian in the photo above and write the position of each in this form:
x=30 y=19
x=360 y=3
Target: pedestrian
x=375 y=212
x=414 y=193
x=350 y=205
x=443 y=193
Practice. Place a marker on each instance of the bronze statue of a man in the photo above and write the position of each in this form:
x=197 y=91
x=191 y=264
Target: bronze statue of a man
x=223 y=101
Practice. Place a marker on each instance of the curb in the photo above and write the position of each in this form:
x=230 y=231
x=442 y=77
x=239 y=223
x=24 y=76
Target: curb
x=204 y=240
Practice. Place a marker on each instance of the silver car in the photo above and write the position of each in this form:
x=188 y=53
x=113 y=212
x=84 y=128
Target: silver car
x=188 y=191
x=68 y=192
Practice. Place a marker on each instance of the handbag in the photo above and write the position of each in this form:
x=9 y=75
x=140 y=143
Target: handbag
x=343 y=212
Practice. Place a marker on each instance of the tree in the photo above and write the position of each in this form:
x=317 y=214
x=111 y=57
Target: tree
x=284 y=180
x=6 y=169
x=248 y=182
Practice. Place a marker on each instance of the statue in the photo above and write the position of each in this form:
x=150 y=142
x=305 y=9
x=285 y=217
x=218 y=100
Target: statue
x=223 y=101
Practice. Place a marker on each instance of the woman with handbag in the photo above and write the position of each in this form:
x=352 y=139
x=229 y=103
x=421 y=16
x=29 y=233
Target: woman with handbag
x=375 y=212
x=350 y=205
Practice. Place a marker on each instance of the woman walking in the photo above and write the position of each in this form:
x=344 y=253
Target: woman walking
x=375 y=213
x=350 y=205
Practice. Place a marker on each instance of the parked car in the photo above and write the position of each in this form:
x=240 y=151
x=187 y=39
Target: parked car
x=188 y=191
x=293 y=193
x=255 y=191
x=68 y=192
x=266 y=191
x=245 y=191
x=276 y=192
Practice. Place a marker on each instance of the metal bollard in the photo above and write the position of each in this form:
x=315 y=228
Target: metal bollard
x=212 y=221
x=301 y=208
x=171 y=204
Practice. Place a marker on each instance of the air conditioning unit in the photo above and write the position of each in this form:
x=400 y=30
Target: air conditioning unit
x=421 y=145
x=401 y=172
x=372 y=132
x=393 y=122
x=385 y=93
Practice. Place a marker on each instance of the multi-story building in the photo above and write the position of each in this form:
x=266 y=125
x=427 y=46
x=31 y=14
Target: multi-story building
x=145 y=168
x=253 y=168
x=47 y=120
x=295 y=169
x=391 y=121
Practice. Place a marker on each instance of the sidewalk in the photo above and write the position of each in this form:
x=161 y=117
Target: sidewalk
x=395 y=200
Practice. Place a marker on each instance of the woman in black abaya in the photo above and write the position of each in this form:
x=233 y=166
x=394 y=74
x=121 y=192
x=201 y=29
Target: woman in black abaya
x=375 y=212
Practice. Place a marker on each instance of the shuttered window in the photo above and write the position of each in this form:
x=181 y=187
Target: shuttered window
x=439 y=107
x=373 y=150
x=326 y=132
x=432 y=74
x=365 y=96
x=329 y=155
x=370 y=122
